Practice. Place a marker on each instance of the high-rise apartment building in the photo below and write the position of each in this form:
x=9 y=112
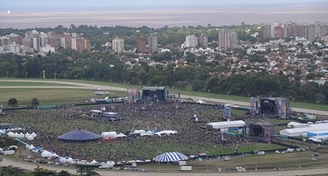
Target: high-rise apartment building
x=266 y=31
x=141 y=45
x=191 y=41
x=223 y=38
x=310 y=32
x=300 y=30
x=203 y=40
x=233 y=38
x=279 y=32
x=118 y=45
x=152 y=43
x=227 y=39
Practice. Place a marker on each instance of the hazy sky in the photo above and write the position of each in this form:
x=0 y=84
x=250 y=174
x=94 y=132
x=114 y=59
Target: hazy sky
x=137 y=4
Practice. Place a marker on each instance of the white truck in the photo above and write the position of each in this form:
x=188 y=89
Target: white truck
x=185 y=168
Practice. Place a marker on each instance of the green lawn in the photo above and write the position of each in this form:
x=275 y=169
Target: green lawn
x=202 y=94
x=49 y=96
x=8 y=83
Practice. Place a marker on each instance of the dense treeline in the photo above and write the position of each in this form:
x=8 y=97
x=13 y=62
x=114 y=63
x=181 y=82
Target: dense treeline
x=69 y=64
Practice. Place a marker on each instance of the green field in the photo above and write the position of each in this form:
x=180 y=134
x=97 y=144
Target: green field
x=288 y=161
x=314 y=106
x=3 y=84
x=50 y=96
x=300 y=105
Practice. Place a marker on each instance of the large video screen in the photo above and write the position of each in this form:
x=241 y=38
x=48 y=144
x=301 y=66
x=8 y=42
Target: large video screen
x=154 y=95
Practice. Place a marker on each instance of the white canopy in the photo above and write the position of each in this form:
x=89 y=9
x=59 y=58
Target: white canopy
x=296 y=125
x=46 y=154
x=226 y=124
x=110 y=113
x=94 y=162
x=70 y=160
x=95 y=111
x=31 y=147
x=33 y=134
x=120 y=135
x=300 y=131
x=167 y=132
x=148 y=133
x=63 y=160
x=139 y=131
x=111 y=134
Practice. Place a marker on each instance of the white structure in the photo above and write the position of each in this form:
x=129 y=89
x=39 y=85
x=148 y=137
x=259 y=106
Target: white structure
x=118 y=45
x=47 y=48
x=152 y=44
x=296 y=125
x=225 y=124
x=191 y=41
x=302 y=130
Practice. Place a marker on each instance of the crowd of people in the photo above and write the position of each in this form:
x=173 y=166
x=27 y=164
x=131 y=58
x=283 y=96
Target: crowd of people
x=48 y=124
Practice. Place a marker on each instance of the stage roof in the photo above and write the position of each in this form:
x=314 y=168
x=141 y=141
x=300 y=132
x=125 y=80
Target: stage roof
x=79 y=135
x=153 y=88
x=227 y=124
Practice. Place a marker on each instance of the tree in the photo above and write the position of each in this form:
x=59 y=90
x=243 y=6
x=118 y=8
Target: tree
x=43 y=172
x=35 y=102
x=319 y=98
x=63 y=173
x=87 y=170
x=12 y=102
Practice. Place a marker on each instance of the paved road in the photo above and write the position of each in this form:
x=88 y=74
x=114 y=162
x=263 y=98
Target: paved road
x=30 y=166
x=94 y=86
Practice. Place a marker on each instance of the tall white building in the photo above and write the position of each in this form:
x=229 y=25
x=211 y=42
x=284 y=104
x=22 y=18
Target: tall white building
x=191 y=41
x=118 y=45
x=223 y=38
x=227 y=39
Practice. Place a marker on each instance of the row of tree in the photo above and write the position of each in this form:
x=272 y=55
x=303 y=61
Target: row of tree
x=14 y=102
x=201 y=76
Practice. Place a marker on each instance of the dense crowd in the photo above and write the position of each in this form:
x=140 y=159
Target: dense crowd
x=48 y=124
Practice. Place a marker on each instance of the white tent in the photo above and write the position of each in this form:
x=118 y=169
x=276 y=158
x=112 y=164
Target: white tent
x=300 y=131
x=33 y=134
x=225 y=124
x=120 y=135
x=167 y=132
x=46 y=154
x=30 y=138
x=148 y=133
x=70 y=160
x=94 y=162
x=63 y=160
x=21 y=135
x=31 y=147
x=139 y=131
x=111 y=134
x=296 y=125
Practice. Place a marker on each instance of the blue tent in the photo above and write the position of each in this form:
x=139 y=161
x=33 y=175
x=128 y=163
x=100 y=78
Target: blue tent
x=79 y=135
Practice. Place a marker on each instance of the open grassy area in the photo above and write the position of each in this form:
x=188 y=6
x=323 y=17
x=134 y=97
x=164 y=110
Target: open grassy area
x=8 y=83
x=49 y=96
x=267 y=162
x=202 y=94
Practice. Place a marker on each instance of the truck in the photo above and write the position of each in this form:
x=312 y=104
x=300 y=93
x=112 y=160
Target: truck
x=185 y=168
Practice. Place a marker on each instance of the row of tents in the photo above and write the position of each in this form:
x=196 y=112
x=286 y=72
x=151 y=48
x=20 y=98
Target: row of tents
x=113 y=134
x=27 y=135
